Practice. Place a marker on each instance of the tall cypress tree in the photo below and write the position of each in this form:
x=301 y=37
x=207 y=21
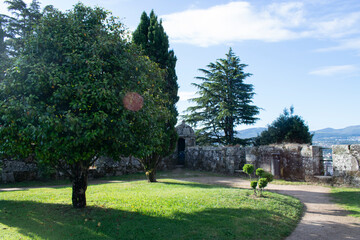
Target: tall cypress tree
x=154 y=42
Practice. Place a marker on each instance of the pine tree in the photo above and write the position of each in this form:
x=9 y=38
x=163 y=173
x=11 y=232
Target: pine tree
x=152 y=39
x=225 y=101
x=287 y=128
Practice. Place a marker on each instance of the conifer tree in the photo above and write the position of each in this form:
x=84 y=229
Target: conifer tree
x=287 y=128
x=152 y=39
x=225 y=101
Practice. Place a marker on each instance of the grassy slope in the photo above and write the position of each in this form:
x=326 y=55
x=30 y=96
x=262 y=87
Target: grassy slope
x=348 y=198
x=169 y=209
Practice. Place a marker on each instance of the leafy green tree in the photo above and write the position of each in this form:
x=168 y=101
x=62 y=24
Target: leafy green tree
x=287 y=128
x=154 y=42
x=62 y=99
x=225 y=101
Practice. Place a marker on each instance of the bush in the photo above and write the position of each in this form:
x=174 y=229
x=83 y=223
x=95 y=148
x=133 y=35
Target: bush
x=262 y=184
x=248 y=169
x=260 y=172
x=253 y=184
x=269 y=177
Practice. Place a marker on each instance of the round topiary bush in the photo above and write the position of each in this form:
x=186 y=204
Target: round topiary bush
x=248 y=169
x=269 y=177
x=253 y=185
x=260 y=172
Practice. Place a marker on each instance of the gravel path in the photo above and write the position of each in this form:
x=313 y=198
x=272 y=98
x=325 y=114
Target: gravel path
x=322 y=219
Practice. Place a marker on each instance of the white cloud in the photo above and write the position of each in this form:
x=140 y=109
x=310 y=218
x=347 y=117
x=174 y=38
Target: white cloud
x=338 y=27
x=347 y=44
x=334 y=70
x=184 y=96
x=235 y=21
x=241 y=20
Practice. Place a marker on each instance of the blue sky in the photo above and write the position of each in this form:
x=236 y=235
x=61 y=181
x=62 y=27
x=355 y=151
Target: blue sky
x=301 y=53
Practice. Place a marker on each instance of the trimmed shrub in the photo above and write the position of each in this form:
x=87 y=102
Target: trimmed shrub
x=253 y=184
x=260 y=172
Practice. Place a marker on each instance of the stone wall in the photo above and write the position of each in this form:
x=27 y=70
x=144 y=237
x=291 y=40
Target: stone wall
x=289 y=161
x=215 y=159
x=17 y=171
x=346 y=164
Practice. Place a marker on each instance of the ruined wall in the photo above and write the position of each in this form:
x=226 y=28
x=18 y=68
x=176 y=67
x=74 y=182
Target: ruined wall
x=346 y=164
x=289 y=161
x=105 y=166
x=215 y=159
x=16 y=171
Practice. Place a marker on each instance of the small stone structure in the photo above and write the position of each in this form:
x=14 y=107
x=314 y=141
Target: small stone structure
x=346 y=164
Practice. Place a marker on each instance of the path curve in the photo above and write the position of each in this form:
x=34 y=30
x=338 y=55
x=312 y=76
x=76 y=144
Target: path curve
x=322 y=218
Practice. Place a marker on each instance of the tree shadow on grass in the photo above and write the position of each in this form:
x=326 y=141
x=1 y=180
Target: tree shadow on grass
x=349 y=199
x=59 y=221
x=192 y=184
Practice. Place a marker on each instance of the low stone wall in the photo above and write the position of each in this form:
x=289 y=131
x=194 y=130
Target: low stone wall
x=215 y=159
x=105 y=166
x=346 y=164
x=289 y=161
x=17 y=171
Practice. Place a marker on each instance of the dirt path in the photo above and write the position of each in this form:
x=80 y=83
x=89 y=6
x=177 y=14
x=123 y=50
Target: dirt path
x=322 y=219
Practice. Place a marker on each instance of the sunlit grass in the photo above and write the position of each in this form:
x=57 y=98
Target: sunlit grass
x=348 y=198
x=169 y=209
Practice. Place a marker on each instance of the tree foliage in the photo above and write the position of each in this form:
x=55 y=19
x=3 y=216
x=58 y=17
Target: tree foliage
x=153 y=41
x=287 y=128
x=224 y=102
x=61 y=100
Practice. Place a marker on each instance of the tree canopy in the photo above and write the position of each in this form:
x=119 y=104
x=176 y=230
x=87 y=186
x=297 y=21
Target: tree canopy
x=224 y=102
x=62 y=98
x=287 y=128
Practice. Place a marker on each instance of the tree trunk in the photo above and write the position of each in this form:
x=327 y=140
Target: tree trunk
x=79 y=181
x=151 y=175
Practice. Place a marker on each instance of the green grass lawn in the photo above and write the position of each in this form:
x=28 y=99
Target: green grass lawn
x=348 y=198
x=169 y=209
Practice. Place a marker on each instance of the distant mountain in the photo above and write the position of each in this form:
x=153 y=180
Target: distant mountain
x=324 y=137
x=344 y=132
x=329 y=136
x=250 y=132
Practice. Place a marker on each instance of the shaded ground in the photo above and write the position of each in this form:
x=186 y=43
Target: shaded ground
x=322 y=218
